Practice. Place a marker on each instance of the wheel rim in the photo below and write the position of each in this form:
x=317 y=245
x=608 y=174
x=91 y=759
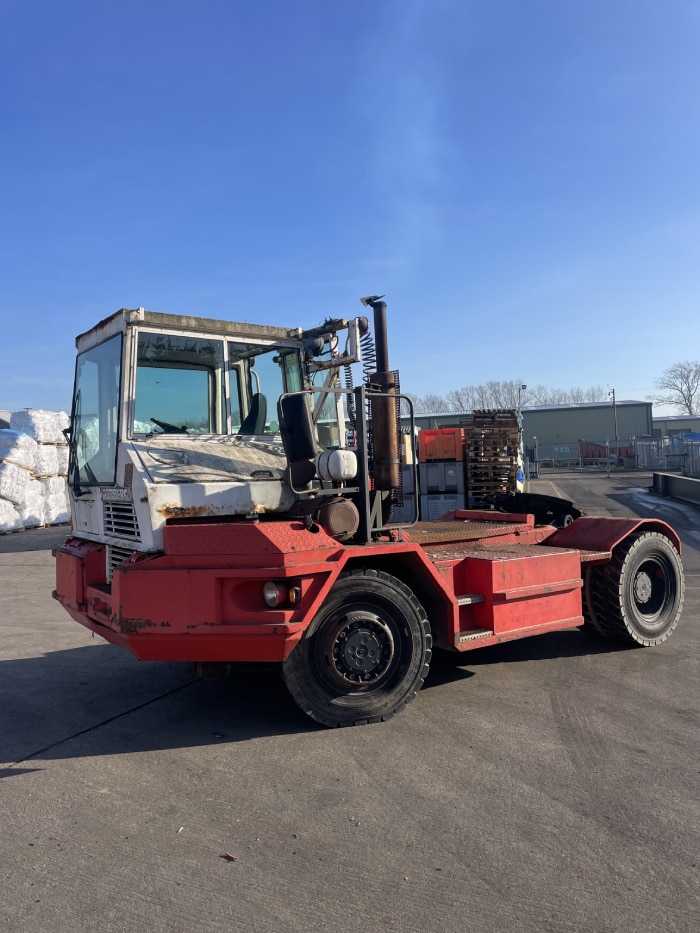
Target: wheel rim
x=356 y=648
x=653 y=590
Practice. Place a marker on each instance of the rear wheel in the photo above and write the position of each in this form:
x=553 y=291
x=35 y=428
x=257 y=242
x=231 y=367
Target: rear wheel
x=638 y=596
x=365 y=655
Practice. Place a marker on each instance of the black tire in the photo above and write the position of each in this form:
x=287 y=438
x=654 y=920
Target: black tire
x=590 y=622
x=638 y=596
x=364 y=656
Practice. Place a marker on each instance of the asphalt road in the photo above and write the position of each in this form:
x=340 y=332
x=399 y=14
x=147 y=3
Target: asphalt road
x=547 y=785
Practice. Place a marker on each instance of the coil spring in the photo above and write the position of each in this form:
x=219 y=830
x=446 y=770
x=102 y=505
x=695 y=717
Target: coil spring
x=349 y=384
x=369 y=356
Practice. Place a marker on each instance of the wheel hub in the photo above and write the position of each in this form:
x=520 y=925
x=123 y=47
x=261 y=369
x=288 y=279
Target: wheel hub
x=642 y=587
x=362 y=651
x=362 y=648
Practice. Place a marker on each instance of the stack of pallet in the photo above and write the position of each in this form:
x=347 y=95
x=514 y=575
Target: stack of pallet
x=441 y=475
x=491 y=454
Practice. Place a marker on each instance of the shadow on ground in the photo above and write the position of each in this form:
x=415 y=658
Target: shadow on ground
x=96 y=700
x=33 y=539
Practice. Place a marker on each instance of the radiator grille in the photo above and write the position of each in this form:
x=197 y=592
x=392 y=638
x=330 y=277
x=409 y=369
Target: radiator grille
x=115 y=555
x=120 y=520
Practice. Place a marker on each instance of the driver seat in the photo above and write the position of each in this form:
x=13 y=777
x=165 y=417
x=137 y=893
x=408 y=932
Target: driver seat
x=254 y=421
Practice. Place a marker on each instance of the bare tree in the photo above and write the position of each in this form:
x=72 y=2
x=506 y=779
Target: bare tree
x=461 y=399
x=558 y=397
x=505 y=394
x=596 y=394
x=538 y=395
x=431 y=403
x=496 y=394
x=513 y=394
x=680 y=385
x=415 y=400
x=482 y=399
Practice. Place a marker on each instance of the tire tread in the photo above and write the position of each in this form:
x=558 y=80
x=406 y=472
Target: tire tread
x=606 y=612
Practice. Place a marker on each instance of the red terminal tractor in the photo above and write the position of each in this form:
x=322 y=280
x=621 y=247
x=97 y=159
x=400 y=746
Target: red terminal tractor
x=231 y=494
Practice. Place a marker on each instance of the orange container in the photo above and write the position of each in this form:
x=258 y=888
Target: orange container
x=441 y=444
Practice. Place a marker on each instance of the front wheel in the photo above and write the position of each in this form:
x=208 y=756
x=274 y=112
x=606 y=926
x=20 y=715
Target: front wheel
x=364 y=656
x=638 y=596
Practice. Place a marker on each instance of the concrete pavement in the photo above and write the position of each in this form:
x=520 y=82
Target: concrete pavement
x=545 y=785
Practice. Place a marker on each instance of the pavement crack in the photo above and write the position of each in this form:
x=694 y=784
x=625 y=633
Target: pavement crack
x=103 y=722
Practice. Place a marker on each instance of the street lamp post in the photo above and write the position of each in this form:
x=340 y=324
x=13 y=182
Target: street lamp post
x=521 y=389
x=614 y=408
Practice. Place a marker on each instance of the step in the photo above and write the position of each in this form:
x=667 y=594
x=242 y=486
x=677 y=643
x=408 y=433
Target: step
x=470 y=599
x=472 y=635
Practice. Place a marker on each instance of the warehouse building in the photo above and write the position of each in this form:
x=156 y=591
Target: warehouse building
x=674 y=425
x=592 y=431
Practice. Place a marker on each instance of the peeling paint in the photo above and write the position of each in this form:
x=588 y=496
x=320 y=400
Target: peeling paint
x=134 y=626
x=187 y=511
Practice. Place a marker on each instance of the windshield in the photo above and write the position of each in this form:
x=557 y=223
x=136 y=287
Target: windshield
x=94 y=423
x=179 y=385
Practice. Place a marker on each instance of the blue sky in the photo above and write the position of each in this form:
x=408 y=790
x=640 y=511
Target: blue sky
x=520 y=177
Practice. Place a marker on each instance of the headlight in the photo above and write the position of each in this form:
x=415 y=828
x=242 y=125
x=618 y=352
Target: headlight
x=274 y=593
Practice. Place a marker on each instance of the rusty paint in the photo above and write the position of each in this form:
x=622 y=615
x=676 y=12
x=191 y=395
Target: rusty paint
x=134 y=626
x=187 y=511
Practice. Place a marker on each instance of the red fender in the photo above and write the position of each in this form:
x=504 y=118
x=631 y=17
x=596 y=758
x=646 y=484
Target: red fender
x=592 y=533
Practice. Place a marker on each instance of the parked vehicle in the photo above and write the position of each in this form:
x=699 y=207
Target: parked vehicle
x=219 y=515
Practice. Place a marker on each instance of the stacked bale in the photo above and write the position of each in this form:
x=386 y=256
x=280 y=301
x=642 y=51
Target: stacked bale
x=33 y=469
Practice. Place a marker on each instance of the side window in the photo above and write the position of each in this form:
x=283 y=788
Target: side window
x=237 y=403
x=258 y=376
x=179 y=385
x=95 y=414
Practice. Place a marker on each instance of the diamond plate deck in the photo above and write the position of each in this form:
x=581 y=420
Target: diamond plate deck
x=427 y=533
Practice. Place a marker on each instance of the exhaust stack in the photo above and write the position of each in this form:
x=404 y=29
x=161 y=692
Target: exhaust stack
x=385 y=444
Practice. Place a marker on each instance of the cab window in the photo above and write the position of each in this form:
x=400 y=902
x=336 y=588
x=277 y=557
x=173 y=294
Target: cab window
x=179 y=385
x=258 y=376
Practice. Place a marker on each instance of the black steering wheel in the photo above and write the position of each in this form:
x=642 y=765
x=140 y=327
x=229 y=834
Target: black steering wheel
x=169 y=428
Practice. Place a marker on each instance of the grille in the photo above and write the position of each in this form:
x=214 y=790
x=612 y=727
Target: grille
x=120 y=520
x=115 y=555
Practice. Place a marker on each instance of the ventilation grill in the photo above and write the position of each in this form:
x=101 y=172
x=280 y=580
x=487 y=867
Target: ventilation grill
x=120 y=520
x=115 y=556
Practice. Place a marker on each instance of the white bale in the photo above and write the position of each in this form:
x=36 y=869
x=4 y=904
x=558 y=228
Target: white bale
x=55 y=509
x=62 y=422
x=18 y=448
x=31 y=511
x=44 y=426
x=52 y=486
x=62 y=454
x=46 y=460
x=9 y=517
x=13 y=482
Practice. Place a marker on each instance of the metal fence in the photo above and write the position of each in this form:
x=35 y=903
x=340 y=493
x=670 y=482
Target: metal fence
x=691 y=460
x=574 y=452
x=661 y=453
x=674 y=453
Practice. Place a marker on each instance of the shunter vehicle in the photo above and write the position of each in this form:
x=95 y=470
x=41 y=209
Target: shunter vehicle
x=231 y=494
